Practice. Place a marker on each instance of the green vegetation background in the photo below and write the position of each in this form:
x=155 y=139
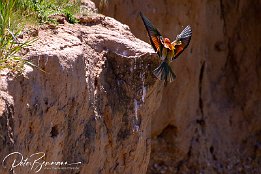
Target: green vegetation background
x=16 y=14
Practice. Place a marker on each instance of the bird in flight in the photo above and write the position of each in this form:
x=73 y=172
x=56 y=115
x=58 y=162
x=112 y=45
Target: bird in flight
x=166 y=50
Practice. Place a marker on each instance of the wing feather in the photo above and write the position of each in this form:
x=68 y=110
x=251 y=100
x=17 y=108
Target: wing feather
x=154 y=34
x=182 y=41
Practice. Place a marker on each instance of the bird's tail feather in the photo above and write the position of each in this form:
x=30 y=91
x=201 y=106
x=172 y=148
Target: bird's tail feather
x=164 y=72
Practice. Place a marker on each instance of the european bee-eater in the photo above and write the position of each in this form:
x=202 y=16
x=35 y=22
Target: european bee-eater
x=166 y=50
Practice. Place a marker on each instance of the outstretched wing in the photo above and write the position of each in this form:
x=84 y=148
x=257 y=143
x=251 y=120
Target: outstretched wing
x=154 y=34
x=182 y=41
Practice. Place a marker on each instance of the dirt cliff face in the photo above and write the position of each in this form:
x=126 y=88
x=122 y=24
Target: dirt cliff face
x=89 y=104
x=209 y=119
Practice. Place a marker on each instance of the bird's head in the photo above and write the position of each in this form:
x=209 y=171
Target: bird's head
x=167 y=44
x=166 y=40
